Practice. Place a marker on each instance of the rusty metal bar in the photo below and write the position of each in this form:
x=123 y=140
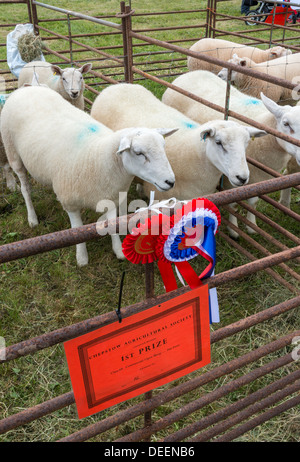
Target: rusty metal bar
x=281 y=207
x=78 y=15
x=268 y=415
x=252 y=399
x=260 y=231
x=256 y=245
x=218 y=108
x=127 y=41
x=68 y=237
x=274 y=275
x=202 y=56
x=58 y=403
x=87 y=47
x=271 y=223
x=66 y=333
x=94 y=73
x=252 y=258
x=266 y=169
x=168 y=395
x=36 y=412
x=255 y=319
x=203 y=401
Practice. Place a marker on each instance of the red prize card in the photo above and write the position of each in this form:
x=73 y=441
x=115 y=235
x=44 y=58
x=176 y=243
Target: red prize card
x=149 y=349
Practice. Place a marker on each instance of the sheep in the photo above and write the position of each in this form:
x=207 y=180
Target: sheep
x=224 y=49
x=67 y=82
x=286 y=67
x=82 y=160
x=198 y=165
x=271 y=151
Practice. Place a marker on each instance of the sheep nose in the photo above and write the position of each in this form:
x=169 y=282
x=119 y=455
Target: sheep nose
x=170 y=183
x=74 y=94
x=241 y=179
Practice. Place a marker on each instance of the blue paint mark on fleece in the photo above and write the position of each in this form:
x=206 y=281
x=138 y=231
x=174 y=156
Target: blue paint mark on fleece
x=248 y=101
x=55 y=78
x=190 y=124
x=3 y=98
x=93 y=128
x=89 y=130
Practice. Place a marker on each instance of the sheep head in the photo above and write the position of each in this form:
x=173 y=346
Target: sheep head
x=226 y=143
x=287 y=122
x=243 y=62
x=143 y=155
x=72 y=79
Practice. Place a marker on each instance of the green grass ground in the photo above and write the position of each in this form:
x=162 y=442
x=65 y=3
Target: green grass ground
x=45 y=292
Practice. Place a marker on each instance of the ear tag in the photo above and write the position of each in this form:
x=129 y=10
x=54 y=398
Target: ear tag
x=204 y=136
x=252 y=137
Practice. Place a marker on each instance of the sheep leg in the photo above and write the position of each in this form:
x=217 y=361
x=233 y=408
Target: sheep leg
x=253 y=203
x=81 y=251
x=21 y=173
x=111 y=214
x=285 y=197
x=233 y=220
x=115 y=238
x=9 y=177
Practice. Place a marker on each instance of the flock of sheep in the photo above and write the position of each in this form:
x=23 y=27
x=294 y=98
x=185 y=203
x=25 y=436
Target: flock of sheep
x=175 y=146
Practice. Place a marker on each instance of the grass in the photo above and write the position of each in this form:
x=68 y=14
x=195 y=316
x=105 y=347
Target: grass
x=45 y=292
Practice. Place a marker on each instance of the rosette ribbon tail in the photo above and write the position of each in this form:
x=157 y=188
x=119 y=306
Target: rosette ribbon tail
x=188 y=274
x=208 y=251
x=167 y=275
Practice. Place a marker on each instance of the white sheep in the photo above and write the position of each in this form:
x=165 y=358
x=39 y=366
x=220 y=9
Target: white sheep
x=67 y=82
x=82 y=160
x=224 y=49
x=286 y=67
x=199 y=155
x=270 y=151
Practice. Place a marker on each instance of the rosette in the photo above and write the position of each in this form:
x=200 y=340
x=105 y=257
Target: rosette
x=140 y=245
x=176 y=240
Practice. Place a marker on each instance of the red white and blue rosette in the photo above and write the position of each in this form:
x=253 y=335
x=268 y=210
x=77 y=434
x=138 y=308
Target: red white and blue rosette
x=176 y=240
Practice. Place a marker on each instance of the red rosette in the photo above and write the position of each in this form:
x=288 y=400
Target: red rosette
x=140 y=245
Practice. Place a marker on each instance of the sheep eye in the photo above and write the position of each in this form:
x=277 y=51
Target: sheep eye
x=140 y=154
x=219 y=143
x=286 y=124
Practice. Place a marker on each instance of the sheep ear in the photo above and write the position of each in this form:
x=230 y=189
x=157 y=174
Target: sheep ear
x=85 y=68
x=56 y=69
x=272 y=107
x=166 y=131
x=243 y=62
x=275 y=53
x=255 y=132
x=124 y=145
x=207 y=132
